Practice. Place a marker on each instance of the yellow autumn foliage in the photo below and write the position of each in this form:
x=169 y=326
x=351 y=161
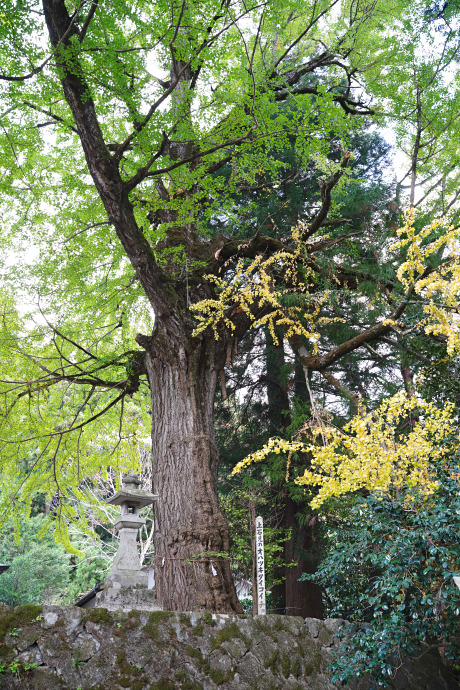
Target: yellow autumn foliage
x=370 y=453
x=438 y=287
x=254 y=286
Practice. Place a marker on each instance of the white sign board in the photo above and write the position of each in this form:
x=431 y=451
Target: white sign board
x=260 y=560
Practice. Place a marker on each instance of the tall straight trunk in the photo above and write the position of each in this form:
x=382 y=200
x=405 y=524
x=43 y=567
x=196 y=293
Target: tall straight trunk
x=191 y=534
x=278 y=411
x=291 y=596
x=277 y=395
x=302 y=598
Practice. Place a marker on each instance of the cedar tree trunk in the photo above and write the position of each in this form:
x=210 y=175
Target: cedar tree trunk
x=291 y=596
x=302 y=598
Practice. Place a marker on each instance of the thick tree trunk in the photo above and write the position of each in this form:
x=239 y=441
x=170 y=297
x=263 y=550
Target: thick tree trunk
x=191 y=534
x=302 y=598
x=291 y=596
x=277 y=394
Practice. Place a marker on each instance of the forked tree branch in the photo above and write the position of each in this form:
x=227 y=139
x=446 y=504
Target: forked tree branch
x=322 y=362
x=326 y=189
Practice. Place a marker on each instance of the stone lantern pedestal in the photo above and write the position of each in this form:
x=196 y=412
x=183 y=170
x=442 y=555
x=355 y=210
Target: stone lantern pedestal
x=127 y=586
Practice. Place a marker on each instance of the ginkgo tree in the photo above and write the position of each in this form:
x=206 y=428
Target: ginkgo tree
x=371 y=452
x=116 y=119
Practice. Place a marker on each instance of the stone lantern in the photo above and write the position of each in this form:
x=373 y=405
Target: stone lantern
x=131 y=498
x=127 y=586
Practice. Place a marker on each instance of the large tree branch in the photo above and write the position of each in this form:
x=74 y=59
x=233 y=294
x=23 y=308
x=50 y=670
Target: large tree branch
x=71 y=429
x=87 y=22
x=259 y=244
x=65 y=371
x=103 y=168
x=320 y=362
x=290 y=78
x=326 y=189
x=350 y=106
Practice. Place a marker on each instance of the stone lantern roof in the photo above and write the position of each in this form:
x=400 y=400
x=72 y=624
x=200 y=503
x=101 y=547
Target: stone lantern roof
x=130 y=493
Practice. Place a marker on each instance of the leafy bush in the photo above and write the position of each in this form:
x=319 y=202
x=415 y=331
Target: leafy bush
x=389 y=566
x=39 y=567
x=87 y=574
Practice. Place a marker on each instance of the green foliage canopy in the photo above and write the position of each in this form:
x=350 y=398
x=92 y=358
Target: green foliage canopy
x=68 y=360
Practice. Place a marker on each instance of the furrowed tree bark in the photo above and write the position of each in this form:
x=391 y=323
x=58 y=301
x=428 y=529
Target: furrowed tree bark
x=303 y=598
x=191 y=534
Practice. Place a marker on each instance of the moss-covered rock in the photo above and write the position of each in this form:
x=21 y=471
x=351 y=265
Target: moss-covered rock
x=230 y=632
x=13 y=619
x=144 y=650
x=99 y=616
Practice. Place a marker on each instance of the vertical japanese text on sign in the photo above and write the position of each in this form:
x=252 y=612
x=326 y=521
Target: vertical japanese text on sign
x=260 y=565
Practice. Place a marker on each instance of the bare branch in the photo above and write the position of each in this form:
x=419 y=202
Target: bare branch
x=326 y=189
x=87 y=22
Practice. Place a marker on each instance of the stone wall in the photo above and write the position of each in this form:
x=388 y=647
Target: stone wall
x=53 y=648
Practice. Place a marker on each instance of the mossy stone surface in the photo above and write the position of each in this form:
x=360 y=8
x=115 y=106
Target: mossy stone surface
x=148 y=650
x=17 y=618
x=230 y=632
x=99 y=616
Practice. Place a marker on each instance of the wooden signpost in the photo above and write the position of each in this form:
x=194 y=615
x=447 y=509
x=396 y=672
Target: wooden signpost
x=260 y=561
